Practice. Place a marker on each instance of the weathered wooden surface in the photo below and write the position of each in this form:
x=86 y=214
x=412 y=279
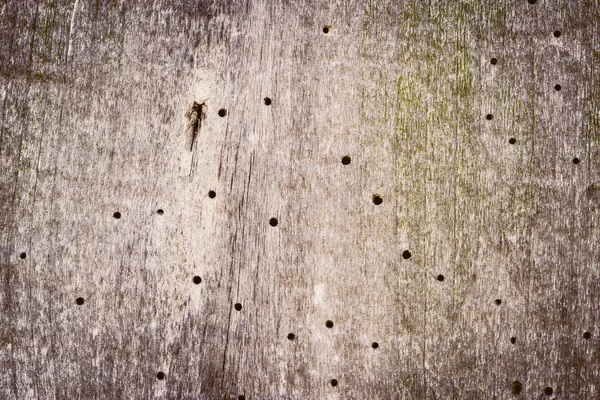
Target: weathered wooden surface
x=93 y=105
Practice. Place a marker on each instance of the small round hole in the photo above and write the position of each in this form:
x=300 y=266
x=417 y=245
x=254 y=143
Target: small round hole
x=489 y=117
x=513 y=340
x=493 y=61
x=556 y=33
x=329 y=324
x=291 y=336
x=160 y=211
x=587 y=335
x=160 y=375
x=273 y=222
x=440 y=278
x=326 y=29
x=375 y=345
x=406 y=254
x=241 y=397
x=576 y=161
x=498 y=302
x=334 y=382
x=238 y=307
x=557 y=87
x=531 y=1
x=197 y=280
x=117 y=215
x=512 y=140
x=548 y=391
x=222 y=112
x=346 y=160
x=267 y=101
x=79 y=301
x=517 y=387
x=23 y=256
x=212 y=194
x=377 y=199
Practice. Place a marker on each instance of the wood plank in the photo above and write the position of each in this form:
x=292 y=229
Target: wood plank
x=475 y=277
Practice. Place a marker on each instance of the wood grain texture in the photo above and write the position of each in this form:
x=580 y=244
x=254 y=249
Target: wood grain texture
x=95 y=101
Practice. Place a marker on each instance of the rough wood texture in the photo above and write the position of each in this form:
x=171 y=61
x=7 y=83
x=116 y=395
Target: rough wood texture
x=97 y=117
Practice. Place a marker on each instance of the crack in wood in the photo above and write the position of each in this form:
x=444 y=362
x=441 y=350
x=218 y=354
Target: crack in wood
x=195 y=114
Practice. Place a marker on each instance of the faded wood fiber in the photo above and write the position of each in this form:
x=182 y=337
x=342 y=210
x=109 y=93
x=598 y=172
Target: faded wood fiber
x=477 y=276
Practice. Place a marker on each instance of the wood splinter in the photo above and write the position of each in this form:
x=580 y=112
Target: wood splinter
x=195 y=114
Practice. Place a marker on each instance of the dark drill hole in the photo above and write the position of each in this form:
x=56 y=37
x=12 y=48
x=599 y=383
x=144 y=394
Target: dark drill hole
x=160 y=375
x=334 y=382
x=291 y=336
x=267 y=101
x=556 y=33
x=489 y=117
x=273 y=222
x=197 y=280
x=576 y=161
x=440 y=278
x=557 y=87
x=346 y=160
x=79 y=301
x=329 y=324
x=117 y=215
x=406 y=254
x=23 y=255
x=548 y=391
x=212 y=194
x=377 y=199
x=498 y=302
x=241 y=397
x=493 y=61
x=222 y=112
x=375 y=345
x=517 y=387
x=326 y=29
x=160 y=211
x=512 y=140
x=238 y=306
x=587 y=335
x=513 y=340
x=531 y=1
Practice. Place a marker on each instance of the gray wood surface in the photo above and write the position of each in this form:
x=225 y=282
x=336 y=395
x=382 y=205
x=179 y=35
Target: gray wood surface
x=113 y=106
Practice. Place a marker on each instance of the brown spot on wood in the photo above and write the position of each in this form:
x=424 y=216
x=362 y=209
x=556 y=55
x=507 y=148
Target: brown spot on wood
x=593 y=196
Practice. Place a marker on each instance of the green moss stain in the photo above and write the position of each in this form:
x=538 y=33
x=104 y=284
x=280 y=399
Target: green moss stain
x=412 y=16
x=464 y=84
x=408 y=102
